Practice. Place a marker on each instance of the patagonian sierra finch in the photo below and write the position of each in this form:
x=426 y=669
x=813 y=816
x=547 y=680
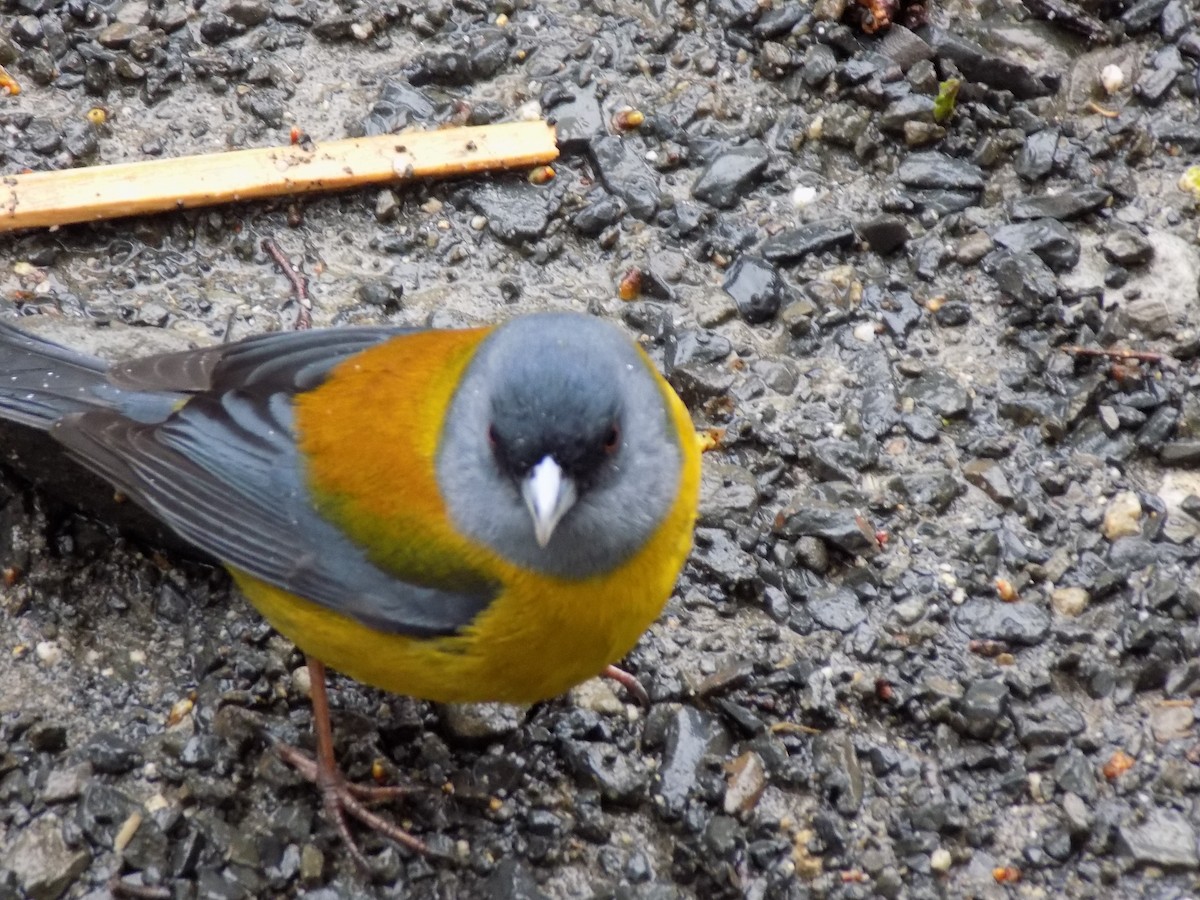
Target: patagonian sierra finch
x=490 y=514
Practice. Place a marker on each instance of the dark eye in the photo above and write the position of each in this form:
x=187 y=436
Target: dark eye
x=612 y=439
x=492 y=439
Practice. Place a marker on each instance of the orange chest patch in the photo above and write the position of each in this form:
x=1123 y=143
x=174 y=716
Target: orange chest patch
x=369 y=436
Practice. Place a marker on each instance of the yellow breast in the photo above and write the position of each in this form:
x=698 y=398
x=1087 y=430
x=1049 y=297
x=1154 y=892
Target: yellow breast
x=541 y=635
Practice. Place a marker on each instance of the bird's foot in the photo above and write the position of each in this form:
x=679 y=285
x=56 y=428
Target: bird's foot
x=630 y=683
x=342 y=798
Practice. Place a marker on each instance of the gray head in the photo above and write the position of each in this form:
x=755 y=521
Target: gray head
x=559 y=452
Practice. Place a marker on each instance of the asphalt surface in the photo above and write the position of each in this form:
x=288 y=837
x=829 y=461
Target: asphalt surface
x=938 y=636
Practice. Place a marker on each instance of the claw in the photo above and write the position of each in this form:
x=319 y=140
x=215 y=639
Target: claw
x=339 y=797
x=629 y=682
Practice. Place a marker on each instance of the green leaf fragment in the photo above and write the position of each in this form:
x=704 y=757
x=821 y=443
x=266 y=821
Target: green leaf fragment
x=1190 y=181
x=944 y=102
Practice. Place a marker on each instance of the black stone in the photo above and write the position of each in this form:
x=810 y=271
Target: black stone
x=27 y=30
x=577 y=116
x=111 y=754
x=953 y=313
x=984 y=707
x=904 y=47
x=512 y=880
x=1142 y=16
x=941 y=393
x=838 y=609
x=1052 y=722
x=1049 y=239
x=1064 y=205
x=757 y=289
x=1180 y=453
x=400 y=106
x=695 y=347
x=619 y=777
x=938 y=171
x=1157 y=78
x=1126 y=247
x=517 y=212
x=978 y=65
x=843 y=528
x=819 y=63
x=218 y=28
x=1036 y=158
x=690 y=735
x=1022 y=276
x=101 y=812
x=1016 y=623
x=884 y=234
x=731 y=174
x=815 y=237
x=909 y=108
x=779 y=20
x=626 y=175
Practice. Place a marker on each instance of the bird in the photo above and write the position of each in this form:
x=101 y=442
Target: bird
x=458 y=515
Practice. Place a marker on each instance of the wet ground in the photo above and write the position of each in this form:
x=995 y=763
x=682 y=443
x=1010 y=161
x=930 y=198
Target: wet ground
x=938 y=636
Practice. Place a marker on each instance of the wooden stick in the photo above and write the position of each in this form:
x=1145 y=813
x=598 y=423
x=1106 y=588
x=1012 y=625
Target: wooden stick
x=127 y=189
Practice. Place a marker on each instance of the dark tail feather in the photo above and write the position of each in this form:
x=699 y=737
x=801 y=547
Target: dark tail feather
x=40 y=382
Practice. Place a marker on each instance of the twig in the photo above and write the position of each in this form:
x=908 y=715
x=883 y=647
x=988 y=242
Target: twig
x=1147 y=356
x=299 y=284
x=1099 y=110
x=90 y=193
x=228 y=335
x=119 y=887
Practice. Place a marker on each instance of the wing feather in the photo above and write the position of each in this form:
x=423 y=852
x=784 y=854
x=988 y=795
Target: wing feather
x=285 y=361
x=224 y=472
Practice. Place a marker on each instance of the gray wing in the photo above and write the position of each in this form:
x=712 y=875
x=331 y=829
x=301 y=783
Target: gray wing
x=286 y=361
x=223 y=471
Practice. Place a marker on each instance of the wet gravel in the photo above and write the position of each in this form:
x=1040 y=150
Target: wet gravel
x=938 y=636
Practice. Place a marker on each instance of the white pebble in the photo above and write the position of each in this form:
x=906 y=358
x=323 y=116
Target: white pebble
x=803 y=195
x=302 y=681
x=598 y=697
x=865 y=332
x=1069 y=601
x=529 y=111
x=157 y=802
x=1112 y=78
x=940 y=860
x=48 y=652
x=1123 y=516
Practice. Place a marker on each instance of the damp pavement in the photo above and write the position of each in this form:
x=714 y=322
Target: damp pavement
x=938 y=636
